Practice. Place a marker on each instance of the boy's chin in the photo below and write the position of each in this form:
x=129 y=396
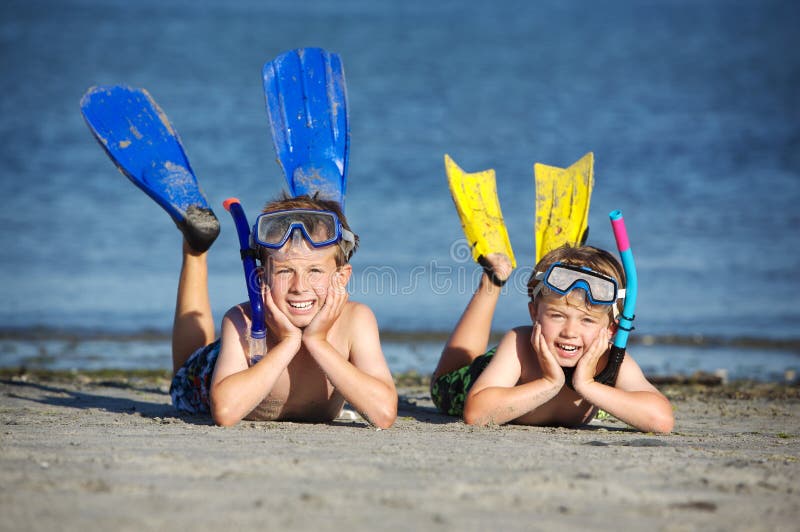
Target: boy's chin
x=568 y=362
x=301 y=321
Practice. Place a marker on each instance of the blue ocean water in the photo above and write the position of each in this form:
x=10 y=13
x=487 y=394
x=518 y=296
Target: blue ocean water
x=691 y=109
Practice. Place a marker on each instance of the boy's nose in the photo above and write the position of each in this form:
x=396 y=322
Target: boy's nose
x=298 y=283
x=570 y=329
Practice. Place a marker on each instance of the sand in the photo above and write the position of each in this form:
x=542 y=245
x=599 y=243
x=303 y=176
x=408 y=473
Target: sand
x=88 y=453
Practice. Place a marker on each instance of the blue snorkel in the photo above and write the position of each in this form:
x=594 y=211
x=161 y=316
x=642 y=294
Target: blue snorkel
x=625 y=325
x=258 y=327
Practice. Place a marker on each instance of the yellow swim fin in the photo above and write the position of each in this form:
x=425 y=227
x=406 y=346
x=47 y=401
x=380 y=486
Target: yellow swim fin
x=562 y=204
x=475 y=197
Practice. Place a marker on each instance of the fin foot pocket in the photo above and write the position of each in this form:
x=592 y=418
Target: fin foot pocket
x=200 y=227
x=489 y=269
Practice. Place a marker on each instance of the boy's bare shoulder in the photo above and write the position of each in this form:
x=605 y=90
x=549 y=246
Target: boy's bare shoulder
x=521 y=332
x=357 y=313
x=357 y=318
x=239 y=313
x=359 y=327
x=519 y=339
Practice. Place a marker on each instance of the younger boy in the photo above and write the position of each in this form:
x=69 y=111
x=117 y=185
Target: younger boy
x=544 y=373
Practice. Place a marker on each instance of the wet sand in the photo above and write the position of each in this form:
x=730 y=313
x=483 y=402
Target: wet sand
x=94 y=452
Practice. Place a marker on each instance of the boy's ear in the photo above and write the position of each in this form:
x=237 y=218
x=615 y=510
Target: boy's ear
x=532 y=310
x=265 y=265
x=345 y=272
x=261 y=278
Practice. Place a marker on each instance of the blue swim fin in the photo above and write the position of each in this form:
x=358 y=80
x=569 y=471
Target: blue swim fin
x=137 y=136
x=307 y=106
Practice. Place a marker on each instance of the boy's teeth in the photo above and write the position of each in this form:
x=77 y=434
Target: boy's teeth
x=567 y=347
x=305 y=305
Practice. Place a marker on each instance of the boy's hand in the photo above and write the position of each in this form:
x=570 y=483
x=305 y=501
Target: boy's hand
x=587 y=365
x=277 y=321
x=335 y=300
x=551 y=370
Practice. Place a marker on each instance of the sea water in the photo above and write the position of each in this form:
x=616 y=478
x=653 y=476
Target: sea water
x=691 y=109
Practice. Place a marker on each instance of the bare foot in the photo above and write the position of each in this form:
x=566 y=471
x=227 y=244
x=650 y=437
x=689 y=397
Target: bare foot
x=498 y=264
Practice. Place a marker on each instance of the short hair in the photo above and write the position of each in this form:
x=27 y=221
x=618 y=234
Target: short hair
x=315 y=203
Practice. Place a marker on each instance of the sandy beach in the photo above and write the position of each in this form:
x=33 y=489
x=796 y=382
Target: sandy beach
x=92 y=452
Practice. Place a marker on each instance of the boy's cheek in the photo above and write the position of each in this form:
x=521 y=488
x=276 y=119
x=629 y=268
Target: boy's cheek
x=320 y=288
x=272 y=283
x=338 y=279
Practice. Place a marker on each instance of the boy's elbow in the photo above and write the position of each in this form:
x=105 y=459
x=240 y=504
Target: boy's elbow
x=224 y=420
x=666 y=425
x=223 y=416
x=470 y=419
x=384 y=418
x=473 y=416
x=663 y=423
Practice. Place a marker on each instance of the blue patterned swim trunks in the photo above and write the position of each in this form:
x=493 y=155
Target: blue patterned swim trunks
x=191 y=386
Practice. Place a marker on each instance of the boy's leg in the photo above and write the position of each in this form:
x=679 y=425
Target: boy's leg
x=193 y=326
x=470 y=337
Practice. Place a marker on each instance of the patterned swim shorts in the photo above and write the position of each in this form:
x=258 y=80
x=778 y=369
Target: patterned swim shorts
x=191 y=385
x=449 y=391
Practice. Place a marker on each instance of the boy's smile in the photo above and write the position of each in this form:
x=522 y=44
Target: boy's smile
x=567 y=350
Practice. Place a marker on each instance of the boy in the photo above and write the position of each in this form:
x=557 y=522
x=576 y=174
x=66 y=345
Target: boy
x=544 y=373
x=322 y=349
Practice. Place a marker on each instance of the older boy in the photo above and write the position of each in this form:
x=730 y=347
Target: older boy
x=322 y=349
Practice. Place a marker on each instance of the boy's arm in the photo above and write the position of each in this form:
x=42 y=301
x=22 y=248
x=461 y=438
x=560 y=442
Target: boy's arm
x=633 y=400
x=363 y=378
x=236 y=387
x=496 y=398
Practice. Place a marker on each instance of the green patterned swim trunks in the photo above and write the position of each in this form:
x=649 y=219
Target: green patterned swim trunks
x=449 y=391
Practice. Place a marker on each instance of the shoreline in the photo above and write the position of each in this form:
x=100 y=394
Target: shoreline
x=108 y=451
x=660 y=363
x=709 y=341
x=695 y=382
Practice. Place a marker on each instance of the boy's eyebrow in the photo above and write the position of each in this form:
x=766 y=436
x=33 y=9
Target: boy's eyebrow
x=288 y=264
x=588 y=310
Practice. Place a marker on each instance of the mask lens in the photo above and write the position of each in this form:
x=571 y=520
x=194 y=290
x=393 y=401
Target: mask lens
x=563 y=279
x=273 y=229
x=602 y=290
x=318 y=227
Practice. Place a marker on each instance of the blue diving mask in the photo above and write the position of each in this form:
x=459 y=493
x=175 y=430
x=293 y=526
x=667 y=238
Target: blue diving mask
x=564 y=278
x=319 y=228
